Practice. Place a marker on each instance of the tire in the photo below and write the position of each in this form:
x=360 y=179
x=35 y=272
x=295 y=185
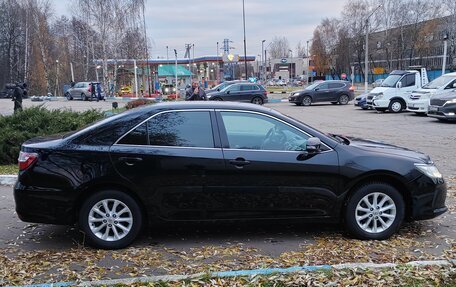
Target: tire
x=344 y=99
x=217 y=99
x=84 y=97
x=69 y=97
x=362 y=220
x=396 y=106
x=126 y=235
x=306 y=101
x=257 y=101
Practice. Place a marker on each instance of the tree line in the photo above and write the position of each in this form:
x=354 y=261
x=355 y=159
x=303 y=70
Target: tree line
x=39 y=47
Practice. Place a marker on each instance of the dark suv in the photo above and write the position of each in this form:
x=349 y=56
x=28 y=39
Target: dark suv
x=242 y=92
x=443 y=106
x=335 y=92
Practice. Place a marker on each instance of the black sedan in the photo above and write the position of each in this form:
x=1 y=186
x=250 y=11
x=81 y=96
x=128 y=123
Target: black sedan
x=207 y=161
x=336 y=92
x=241 y=92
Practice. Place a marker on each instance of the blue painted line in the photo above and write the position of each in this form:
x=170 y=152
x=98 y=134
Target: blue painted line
x=57 y=284
x=268 y=271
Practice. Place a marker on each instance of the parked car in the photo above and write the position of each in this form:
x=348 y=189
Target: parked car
x=168 y=89
x=6 y=93
x=341 y=92
x=377 y=83
x=223 y=85
x=197 y=161
x=443 y=106
x=81 y=90
x=396 y=89
x=241 y=92
x=360 y=101
x=419 y=100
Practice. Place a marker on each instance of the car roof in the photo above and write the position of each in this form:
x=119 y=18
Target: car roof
x=203 y=105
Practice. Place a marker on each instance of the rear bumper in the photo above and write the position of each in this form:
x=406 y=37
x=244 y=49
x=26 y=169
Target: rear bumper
x=43 y=206
x=418 y=106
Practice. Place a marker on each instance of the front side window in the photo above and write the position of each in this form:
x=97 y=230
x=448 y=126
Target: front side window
x=336 y=85
x=182 y=129
x=138 y=136
x=258 y=132
x=408 y=80
x=234 y=88
x=324 y=86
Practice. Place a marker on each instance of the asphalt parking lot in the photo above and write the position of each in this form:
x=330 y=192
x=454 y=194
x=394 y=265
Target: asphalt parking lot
x=57 y=253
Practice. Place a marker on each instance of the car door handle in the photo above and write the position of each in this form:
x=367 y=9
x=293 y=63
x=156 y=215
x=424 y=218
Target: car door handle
x=239 y=162
x=130 y=161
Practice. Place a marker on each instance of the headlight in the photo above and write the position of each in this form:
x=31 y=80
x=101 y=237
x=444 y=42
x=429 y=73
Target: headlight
x=453 y=101
x=295 y=94
x=378 y=96
x=430 y=170
x=166 y=89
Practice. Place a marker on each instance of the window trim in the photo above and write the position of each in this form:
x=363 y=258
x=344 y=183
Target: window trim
x=224 y=135
x=116 y=143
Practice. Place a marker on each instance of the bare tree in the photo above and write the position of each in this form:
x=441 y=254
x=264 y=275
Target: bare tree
x=279 y=48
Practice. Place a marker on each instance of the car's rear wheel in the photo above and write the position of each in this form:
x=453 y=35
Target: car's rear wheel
x=396 y=106
x=374 y=211
x=306 y=101
x=344 y=99
x=217 y=99
x=110 y=219
x=257 y=101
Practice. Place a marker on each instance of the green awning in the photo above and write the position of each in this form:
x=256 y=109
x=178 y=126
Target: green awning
x=169 y=71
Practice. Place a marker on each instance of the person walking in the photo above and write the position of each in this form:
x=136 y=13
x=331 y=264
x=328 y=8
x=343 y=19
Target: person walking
x=17 y=98
x=99 y=97
x=92 y=91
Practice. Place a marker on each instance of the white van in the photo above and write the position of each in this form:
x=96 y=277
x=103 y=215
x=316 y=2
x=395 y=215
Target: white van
x=419 y=100
x=396 y=89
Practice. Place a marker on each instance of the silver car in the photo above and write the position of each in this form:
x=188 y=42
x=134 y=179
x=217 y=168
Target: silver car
x=81 y=90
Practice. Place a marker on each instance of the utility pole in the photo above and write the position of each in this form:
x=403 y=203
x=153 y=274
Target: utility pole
x=56 y=79
x=366 y=56
x=262 y=60
x=217 y=63
x=175 y=73
x=136 y=78
x=308 y=63
x=245 y=42
x=72 y=73
x=167 y=55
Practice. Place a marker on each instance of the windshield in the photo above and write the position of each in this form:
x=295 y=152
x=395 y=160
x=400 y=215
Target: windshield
x=439 y=82
x=313 y=86
x=391 y=81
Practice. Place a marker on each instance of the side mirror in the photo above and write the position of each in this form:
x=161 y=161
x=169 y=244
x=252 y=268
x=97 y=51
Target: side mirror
x=399 y=85
x=228 y=92
x=313 y=145
x=316 y=89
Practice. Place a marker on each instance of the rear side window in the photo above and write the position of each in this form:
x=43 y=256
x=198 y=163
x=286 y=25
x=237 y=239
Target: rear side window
x=183 y=129
x=249 y=87
x=336 y=85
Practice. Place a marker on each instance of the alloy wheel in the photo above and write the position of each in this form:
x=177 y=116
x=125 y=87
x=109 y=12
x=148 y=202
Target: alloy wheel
x=375 y=212
x=257 y=101
x=343 y=100
x=110 y=219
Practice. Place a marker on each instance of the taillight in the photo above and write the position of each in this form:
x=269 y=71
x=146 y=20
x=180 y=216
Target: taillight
x=26 y=159
x=265 y=93
x=352 y=88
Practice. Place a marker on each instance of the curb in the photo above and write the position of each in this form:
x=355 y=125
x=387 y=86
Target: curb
x=267 y=271
x=8 y=179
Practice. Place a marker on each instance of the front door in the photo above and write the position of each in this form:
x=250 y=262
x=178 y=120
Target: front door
x=233 y=93
x=265 y=177
x=322 y=93
x=169 y=159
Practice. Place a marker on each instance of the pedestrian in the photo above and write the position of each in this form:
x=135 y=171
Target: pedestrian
x=17 y=98
x=191 y=93
x=92 y=91
x=99 y=97
x=201 y=94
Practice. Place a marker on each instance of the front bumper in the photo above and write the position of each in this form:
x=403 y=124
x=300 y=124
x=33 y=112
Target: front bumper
x=447 y=112
x=418 y=106
x=295 y=99
x=382 y=104
x=428 y=198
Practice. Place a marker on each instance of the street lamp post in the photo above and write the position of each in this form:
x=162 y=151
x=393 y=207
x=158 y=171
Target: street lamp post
x=175 y=73
x=262 y=60
x=245 y=43
x=56 y=78
x=218 y=66
x=308 y=62
x=445 y=50
x=167 y=55
x=366 y=56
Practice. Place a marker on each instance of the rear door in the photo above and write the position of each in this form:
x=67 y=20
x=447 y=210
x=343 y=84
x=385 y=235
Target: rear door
x=169 y=159
x=335 y=91
x=233 y=93
x=265 y=177
x=247 y=93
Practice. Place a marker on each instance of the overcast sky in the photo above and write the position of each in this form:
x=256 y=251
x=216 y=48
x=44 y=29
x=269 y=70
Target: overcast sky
x=174 y=23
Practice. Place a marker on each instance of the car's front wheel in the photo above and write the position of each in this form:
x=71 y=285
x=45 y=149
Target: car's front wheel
x=110 y=219
x=374 y=211
x=306 y=101
x=396 y=106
